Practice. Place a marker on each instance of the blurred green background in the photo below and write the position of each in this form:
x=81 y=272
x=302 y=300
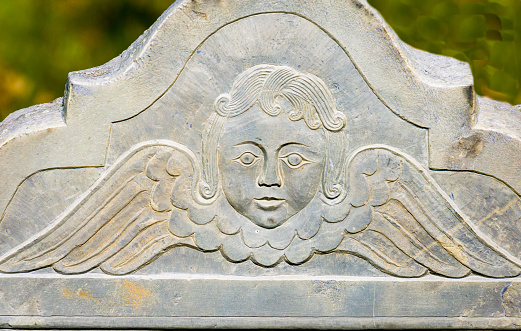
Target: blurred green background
x=484 y=33
x=42 y=40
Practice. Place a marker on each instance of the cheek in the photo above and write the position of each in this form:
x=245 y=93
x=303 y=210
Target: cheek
x=302 y=184
x=237 y=181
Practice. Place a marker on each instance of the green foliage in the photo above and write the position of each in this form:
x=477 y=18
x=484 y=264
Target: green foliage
x=484 y=33
x=42 y=40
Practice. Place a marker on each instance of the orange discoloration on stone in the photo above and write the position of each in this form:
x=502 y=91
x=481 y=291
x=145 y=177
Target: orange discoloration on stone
x=67 y=293
x=80 y=293
x=133 y=294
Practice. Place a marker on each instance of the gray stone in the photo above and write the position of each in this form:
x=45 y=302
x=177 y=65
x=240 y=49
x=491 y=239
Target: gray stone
x=263 y=164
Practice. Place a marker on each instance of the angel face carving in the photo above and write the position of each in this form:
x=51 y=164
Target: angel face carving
x=270 y=166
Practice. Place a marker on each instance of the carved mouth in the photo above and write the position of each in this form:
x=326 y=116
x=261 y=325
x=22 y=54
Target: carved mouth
x=269 y=203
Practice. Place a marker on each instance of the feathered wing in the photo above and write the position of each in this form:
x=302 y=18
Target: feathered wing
x=120 y=223
x=412 y=225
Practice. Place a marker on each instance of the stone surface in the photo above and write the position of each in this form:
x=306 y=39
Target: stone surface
x=274 y=164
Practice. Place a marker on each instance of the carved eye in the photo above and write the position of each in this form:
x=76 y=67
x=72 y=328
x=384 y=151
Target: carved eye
x=246 y=159
x=295 y=160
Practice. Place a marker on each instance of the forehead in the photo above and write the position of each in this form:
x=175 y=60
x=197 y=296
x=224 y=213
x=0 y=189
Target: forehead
x=255 y=125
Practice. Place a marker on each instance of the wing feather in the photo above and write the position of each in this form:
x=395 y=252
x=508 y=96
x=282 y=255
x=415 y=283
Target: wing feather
x=370 y=249
x=105 y=243
x=426 y=251
x=145 y=247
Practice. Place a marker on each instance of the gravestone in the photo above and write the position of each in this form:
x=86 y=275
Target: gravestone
x=263 y=164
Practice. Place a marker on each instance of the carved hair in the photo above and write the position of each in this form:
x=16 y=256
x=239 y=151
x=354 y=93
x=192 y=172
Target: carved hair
x=310 y=100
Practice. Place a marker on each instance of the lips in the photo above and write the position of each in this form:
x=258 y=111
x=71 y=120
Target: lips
x=269 y=203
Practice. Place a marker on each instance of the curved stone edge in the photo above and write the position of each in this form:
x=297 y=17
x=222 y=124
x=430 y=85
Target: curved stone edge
x=32 y=119
x=427 y=90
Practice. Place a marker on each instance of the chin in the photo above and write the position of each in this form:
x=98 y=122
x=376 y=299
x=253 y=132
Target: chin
x=269 y=220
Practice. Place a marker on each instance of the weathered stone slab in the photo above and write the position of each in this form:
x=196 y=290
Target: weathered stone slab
x=263 y=164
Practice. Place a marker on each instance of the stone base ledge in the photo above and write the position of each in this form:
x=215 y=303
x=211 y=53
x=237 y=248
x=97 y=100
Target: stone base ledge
x=208 y=301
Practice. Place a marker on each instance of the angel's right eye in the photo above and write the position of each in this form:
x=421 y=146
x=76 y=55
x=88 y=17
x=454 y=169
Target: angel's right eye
x=246 y=159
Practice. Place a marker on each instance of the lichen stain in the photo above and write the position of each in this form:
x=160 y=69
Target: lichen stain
x=511 y=295
x=79 y=294
x=331 y=289
x=133 y=295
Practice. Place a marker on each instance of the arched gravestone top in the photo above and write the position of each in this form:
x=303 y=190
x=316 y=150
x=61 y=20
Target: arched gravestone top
x=273 y=164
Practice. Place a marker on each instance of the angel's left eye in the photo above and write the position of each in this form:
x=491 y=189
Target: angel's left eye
x=294 y=160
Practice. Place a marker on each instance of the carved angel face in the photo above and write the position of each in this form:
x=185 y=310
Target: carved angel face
x=270 y=167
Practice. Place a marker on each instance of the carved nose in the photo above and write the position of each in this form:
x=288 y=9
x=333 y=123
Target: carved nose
x=269 y=175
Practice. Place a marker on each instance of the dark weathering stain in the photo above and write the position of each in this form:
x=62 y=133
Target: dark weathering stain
x=465 y=149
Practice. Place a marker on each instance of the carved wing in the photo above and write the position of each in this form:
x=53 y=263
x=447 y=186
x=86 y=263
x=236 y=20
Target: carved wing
x=120 y=223
x=411 y=224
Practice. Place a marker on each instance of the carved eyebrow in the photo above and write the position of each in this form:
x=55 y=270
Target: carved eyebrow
x=293 y=143
x=248 y=142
